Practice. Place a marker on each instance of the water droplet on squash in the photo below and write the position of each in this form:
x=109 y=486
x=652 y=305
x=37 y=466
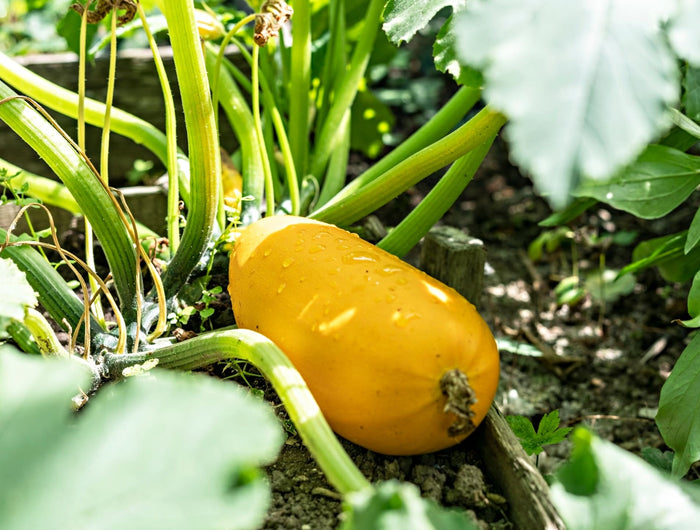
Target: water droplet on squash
x=401 y=281
x=267 y=252
x=315 y=249
x=390 y=270
x=357 y=257
x=402 y=318
x=281 y=288
x=287 y=262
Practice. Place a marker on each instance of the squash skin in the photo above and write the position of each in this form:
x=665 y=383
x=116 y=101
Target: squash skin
x=371 y=335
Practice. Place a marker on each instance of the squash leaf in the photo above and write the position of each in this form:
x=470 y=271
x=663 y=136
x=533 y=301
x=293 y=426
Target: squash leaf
x=447 y=60
x=394 y=505
x=163 y=450
x=683 y=32
x=604 y=486
x=404 y=18
x=678 y=418
x=563 y=73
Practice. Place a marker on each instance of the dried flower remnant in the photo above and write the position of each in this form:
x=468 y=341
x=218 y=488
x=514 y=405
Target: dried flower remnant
x=103 y=8
x=273 y=13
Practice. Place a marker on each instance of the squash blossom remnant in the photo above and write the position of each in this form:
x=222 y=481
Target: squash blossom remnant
x=103 y=8
x=273 y=13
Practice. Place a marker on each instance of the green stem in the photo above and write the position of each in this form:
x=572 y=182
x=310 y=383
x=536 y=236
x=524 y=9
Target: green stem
x=269 y=185
x=437 y=127
x=299 y=85
x=347 y=89
x=43 y=334
x=94 y=200
x=66 y=102
x=412 y=170
x=173 y=216
x=23 y=338
x=241 y=118
x=202 y=141
x=431 y=209
x=288 y=384
x=268 y=96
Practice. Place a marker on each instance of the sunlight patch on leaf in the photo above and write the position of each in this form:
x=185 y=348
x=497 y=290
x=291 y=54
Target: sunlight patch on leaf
x=404 y=18
x=683 y=32
x=585 y=85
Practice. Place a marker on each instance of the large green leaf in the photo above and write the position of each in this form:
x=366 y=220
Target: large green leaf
x=165 y=450
x=678 y=418
x=585 y=85
x=656 y=183
x=403 y=18
x=447 y=60
x=623 y=492
x=683 y=32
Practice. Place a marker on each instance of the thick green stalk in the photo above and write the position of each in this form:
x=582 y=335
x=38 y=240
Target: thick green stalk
x=438 y=126
x=343 y=97
x=202 y=141
x=299 y=85
x=288 y=384
x=66 y=102
x=412 y=170
x=431 y=209
x=173 y=218
x=94 y=200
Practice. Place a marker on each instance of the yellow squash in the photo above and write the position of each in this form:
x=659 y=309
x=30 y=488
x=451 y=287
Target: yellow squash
x=398 y=362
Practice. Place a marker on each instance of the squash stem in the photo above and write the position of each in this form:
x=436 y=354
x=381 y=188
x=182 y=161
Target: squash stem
x=412 y=170
x=408 y=232
x=250 y=346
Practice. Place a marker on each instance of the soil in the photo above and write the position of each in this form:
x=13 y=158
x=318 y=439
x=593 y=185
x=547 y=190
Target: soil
x=603 y=364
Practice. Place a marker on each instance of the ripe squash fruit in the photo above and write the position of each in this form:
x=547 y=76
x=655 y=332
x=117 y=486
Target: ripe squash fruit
x=398 y=362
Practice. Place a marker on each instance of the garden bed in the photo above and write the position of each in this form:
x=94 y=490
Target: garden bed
x=598 y=365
